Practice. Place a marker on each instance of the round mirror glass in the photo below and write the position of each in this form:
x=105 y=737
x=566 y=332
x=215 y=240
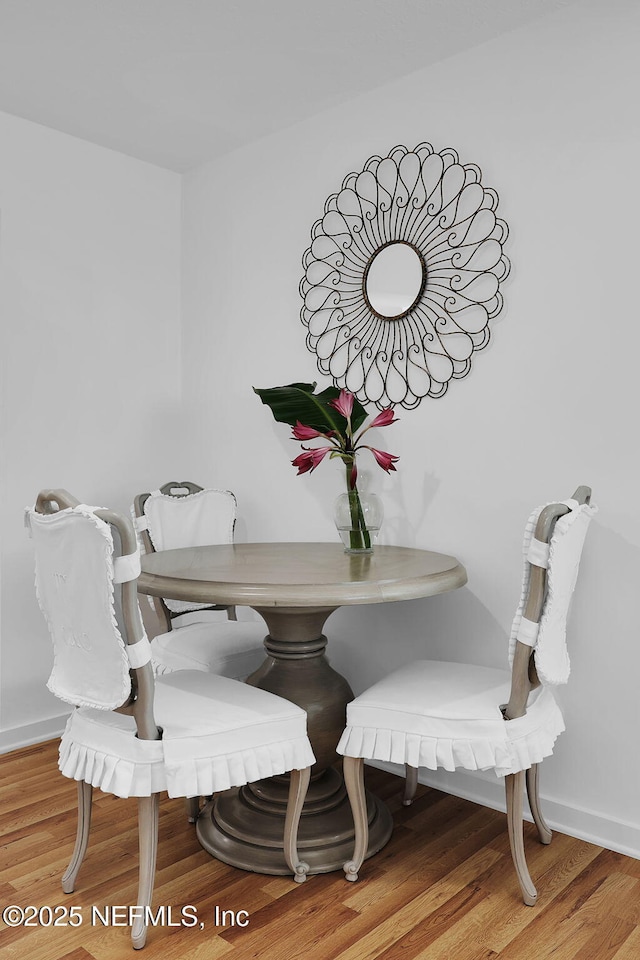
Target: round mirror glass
x=394 y=280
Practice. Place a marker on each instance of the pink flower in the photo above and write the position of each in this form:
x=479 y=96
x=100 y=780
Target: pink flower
x=384 y=460
x=310 y=459
x=384 y=418
x=300 y=432
x=343 y=404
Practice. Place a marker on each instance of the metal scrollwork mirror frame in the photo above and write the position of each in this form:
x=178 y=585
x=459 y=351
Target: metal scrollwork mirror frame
x=438 y=207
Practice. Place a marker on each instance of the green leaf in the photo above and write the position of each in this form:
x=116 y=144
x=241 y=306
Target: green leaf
x=297 y=401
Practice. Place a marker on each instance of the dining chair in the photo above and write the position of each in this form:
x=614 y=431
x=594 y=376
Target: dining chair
x=450 y=715
x=196 y=635
x=133 y=734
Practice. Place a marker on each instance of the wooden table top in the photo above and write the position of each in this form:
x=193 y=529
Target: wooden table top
x=297 y=574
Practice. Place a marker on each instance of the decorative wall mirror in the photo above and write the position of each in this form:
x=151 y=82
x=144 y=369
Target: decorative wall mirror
x=403 y=276
x=394 y=280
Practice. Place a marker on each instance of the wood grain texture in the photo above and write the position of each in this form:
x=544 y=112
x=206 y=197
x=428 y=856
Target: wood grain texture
x=297 y=574
x=442 y=888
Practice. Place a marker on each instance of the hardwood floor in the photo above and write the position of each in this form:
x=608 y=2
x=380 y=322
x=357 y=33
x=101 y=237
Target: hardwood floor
x=442 y=889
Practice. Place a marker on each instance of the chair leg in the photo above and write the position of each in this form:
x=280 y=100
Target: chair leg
x=353 y=770
x=544 y=831
x=514 y=784
x=410 y=784
x=298 y=786
x=192 y=805
x=148 y=845
x=82 y=837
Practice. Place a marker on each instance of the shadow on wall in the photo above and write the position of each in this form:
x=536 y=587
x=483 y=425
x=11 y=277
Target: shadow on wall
x=367 y=642
x=402 y=524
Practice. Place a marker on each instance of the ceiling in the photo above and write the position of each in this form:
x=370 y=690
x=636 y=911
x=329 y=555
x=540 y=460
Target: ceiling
x=180 y=82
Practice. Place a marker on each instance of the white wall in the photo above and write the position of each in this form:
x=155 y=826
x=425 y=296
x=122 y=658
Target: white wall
x=548 y=112
x=89 y=344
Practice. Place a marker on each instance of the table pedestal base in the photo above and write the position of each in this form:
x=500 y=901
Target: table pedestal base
x=245 y=827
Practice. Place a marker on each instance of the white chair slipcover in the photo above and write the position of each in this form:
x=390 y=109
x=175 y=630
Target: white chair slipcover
x=90 y=666
x=561 y=559
x=223 y=647
x=436 y=714
x=217 y=733
x=191 y=520
x=199 y=638
x=188 y=733
x=433 y=714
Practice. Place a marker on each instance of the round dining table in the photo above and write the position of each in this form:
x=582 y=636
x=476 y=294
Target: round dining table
x=295 y=587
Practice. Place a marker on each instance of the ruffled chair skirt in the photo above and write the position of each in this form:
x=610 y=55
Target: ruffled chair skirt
x=217 y=733
x=435 y=714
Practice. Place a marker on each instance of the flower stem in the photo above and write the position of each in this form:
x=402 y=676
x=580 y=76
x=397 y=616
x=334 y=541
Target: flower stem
x=359 y=536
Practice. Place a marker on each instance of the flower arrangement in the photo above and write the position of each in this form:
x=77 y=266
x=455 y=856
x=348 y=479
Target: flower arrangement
x=337 y=417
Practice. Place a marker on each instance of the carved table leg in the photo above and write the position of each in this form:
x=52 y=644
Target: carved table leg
x=245 y=827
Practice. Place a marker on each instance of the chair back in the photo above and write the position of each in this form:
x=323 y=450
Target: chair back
x=184 y=515
x=553 y=542
x=196 y=518
x=86 y=589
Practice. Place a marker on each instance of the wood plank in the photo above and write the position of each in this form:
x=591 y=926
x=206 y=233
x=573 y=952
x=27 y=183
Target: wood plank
x=630 y=949
x=568 y=923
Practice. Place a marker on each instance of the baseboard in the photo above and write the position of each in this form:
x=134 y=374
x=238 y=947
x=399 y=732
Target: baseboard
x=30 y=733
x=575 y=821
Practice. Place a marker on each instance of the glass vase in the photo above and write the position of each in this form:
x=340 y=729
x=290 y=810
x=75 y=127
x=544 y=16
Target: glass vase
x=358 y=518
